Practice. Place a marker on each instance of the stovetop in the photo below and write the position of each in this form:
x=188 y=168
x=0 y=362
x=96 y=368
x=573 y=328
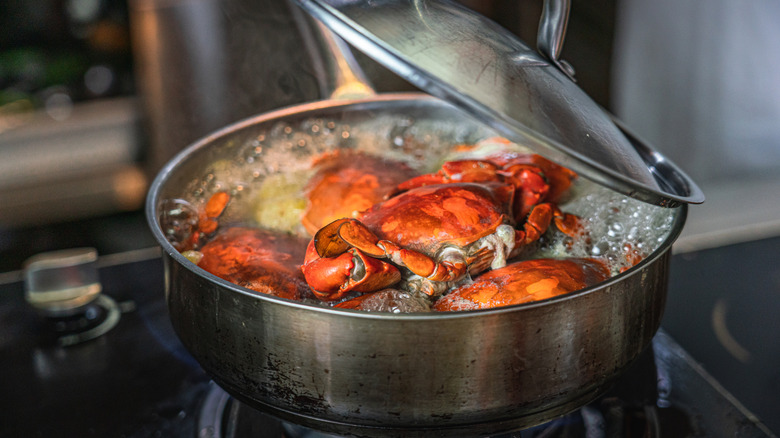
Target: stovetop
x=137 y=380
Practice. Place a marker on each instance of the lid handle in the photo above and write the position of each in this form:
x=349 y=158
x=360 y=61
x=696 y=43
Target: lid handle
x=552 y=30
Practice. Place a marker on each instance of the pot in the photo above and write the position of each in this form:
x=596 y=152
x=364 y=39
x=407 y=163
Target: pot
x=380 y=374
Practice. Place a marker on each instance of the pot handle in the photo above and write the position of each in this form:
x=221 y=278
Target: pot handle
x=551 y=33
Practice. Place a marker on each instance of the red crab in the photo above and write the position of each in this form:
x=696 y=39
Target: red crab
x=332 y=278
x=504 y=153
x=264 y=261
x=260 y=260
x=439 y=233
x=347 y=183
x=525 y=281
x=206 y=222
x=538 y=179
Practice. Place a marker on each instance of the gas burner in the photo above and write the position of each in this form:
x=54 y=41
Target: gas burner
x=222 y=416
x=93 y=320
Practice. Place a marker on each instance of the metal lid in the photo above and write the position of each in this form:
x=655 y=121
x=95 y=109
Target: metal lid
x=460 y=56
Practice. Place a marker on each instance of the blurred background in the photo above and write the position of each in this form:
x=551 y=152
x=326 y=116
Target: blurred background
x=96 y=95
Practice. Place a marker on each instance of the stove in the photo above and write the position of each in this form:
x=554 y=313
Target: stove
x=137 y=380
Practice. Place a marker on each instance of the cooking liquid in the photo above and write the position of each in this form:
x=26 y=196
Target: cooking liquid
x=266 y=180
x=620 y=230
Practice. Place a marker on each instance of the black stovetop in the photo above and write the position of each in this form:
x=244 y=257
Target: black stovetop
x=137 y=380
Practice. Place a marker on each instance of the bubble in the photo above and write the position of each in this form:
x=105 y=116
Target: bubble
x=178 y=218
x=616 y=227
x=600 y=248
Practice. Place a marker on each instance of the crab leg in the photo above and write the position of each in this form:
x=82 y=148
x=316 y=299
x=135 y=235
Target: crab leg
x=458 y=171
x=539 y=220
x=208 y=219
x=531 y=184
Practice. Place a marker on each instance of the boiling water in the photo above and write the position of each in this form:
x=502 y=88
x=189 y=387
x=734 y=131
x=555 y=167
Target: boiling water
x=266 y=174
x=618 y=229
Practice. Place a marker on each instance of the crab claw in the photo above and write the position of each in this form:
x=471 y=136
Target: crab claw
x=539 y=220
x=558 y=178
x=214 y=208
x=350 y=236
x=568 y=224
x=331 y=278
x=340 y=235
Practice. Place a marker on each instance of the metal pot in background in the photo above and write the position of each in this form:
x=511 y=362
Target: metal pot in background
x=202 y=64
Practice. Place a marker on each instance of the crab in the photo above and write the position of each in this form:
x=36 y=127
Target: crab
x=505 y=154
x=201 y=225
x=538 y=179
x=439 y=233
x=523 y=282
x=349 y=182
x=260 y=260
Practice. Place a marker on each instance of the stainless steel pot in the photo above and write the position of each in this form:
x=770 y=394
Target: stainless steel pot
x=444 y=374
x=376 y=374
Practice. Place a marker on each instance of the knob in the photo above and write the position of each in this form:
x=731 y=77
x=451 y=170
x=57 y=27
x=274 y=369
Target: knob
x=61 y=283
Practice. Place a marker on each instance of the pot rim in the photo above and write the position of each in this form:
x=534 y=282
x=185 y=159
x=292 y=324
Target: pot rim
x=167 y=247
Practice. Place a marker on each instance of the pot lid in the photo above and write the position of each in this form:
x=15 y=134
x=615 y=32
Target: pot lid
x=458 y=55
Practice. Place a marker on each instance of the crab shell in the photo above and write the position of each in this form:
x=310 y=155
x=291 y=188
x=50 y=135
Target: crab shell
x=259 y=260
x=505 y=154
x=523 y=282
x=430 y=218
x=347 y=183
